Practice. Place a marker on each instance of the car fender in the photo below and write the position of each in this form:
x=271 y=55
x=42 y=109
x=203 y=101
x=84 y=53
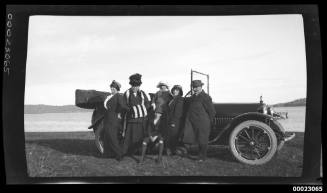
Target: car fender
x=267 y=119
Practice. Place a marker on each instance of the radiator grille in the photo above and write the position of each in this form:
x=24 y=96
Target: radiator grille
x=222 y=120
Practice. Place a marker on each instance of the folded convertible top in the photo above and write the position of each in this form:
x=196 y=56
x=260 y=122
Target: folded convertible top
x=88 y=99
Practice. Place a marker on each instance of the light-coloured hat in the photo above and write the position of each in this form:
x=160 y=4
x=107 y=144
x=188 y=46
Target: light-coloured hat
x=161 y=83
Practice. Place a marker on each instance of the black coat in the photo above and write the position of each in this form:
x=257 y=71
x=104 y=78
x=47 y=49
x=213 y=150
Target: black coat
x=175 y=110
x=113 y=124
x=199 y=119
x=175 y=116
x=135 y=130
x=133 y=101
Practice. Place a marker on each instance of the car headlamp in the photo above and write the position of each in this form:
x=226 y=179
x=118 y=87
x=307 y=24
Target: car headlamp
x=264 y=110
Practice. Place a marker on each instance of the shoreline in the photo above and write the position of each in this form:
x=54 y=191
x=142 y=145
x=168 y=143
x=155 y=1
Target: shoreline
x=91 y=110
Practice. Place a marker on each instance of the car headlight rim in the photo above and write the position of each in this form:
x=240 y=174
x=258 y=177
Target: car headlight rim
x=265 y=110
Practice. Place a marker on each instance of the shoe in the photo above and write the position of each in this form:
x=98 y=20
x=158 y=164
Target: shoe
x=181 y=151
x=290 y=137
x=119 y=158
x=201 y=159
x=158 y=160
x=169 y=153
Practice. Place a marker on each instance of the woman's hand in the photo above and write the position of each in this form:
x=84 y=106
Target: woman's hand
x=153 y=105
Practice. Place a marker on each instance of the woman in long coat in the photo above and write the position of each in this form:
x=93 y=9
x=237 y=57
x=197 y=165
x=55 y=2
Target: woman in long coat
x=175 y=114
x=114 y=105
x=199 y=119
x=135 y=119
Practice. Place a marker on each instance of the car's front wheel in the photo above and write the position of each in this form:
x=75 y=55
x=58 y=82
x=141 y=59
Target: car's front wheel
x=253 y=142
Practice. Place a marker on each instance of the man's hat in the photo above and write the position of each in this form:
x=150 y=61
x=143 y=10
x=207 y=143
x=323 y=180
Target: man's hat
x=196 y=83
x=115 y=84
x=161 y=83
x=135 y=79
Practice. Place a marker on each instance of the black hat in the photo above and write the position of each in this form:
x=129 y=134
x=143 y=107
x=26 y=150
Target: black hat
x=196 y=83
x=116 y=85
x=178 y=87
x=135 y=79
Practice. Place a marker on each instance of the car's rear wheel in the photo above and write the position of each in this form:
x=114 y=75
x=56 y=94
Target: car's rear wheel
x=253 y=142
x=99 y=137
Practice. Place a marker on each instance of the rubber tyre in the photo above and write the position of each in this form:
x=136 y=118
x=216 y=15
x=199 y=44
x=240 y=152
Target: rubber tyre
x=273 y=141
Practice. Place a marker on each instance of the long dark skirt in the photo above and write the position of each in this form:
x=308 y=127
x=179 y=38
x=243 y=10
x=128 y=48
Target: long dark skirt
x=173 y=136
x=134 y=135
x=113 y=147
x=163 y=126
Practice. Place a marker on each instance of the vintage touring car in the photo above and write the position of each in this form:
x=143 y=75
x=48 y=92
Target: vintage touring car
x=250 y=130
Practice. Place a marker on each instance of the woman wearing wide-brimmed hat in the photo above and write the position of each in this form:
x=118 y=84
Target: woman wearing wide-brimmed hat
x=135 y=119
x=114 y=105
x=175 y=114
x=160 y=105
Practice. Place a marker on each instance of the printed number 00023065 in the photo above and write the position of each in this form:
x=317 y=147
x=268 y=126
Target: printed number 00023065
x=307 y=188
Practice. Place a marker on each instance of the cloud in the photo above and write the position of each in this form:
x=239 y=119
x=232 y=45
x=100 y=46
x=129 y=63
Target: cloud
x=244 y=55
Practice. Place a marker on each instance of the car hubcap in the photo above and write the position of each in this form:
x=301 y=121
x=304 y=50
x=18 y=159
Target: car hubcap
x=252 y=143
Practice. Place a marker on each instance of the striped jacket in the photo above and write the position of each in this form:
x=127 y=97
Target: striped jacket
x=138 y=103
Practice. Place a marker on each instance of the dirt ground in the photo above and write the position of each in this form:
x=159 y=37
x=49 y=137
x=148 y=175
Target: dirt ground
x=73 y=154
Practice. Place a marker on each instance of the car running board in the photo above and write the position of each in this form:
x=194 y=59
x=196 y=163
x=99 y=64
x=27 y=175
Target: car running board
x=289 y=137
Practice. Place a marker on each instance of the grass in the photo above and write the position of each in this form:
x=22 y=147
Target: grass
x=73 y=154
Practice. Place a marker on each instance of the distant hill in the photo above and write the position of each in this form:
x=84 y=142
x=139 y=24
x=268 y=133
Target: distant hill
x=297 y=102
x=38 y=109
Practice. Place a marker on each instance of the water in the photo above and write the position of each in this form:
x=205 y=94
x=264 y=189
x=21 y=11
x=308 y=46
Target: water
x=57 y=122
x=296 y=118
x=67 y=122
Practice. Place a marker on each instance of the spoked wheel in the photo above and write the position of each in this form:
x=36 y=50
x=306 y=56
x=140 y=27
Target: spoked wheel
x=99 y=137
x=99 y=144
x=253 y=142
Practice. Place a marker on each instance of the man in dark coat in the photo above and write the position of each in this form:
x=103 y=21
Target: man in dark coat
x=199 y=119
x=136 y=118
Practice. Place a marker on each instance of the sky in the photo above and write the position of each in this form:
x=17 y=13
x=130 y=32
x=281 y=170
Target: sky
x=245 y=56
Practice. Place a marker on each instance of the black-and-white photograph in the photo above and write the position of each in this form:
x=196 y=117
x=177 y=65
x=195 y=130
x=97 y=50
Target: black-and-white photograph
x=165 y=96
